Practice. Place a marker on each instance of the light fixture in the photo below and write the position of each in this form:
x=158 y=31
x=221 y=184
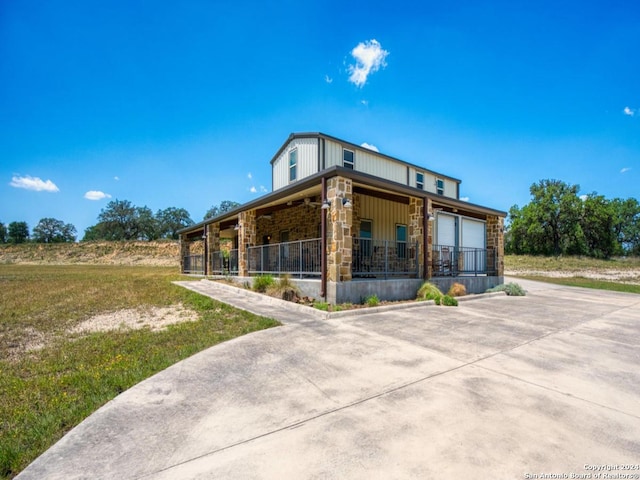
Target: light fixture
x=345 y=203
x=237 y=227
x=431 y=217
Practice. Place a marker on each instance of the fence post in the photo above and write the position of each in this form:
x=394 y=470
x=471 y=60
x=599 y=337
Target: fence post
x=386 y=258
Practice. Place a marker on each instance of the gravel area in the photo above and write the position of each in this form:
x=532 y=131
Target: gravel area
x=611 y=275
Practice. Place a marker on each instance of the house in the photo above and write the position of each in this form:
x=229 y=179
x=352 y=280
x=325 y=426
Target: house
x=346 y=222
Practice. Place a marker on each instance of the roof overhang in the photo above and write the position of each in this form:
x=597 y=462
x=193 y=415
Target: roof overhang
x=310 y=186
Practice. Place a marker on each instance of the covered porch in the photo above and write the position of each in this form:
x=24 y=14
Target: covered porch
x=341 y=228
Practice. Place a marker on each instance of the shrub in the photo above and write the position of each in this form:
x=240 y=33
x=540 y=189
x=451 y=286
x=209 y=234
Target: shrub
x=512 y=289
x=457 y=290
x=324 y=306
x=428 y=291
x=372 y=301
x=449 y=301
x=262 y=282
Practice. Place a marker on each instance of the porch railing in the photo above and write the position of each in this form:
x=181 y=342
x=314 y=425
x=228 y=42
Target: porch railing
x=384 y=258
x=454 y=261
x=300 y=258
x=224 y=262
x=193 y=264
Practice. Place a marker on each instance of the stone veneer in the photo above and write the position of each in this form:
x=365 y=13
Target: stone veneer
x=415 y=233
x=301 y=221
x=246 y=236
x=495 y=240
x=339 y=235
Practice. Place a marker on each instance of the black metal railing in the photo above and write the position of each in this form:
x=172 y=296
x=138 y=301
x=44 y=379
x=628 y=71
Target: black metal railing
x=224 y=262
x=384 y=258
x=193 y=264
x=299 y=258
x=449 y=260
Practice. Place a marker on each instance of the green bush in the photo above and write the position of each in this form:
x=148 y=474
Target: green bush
x=372 y=301
x=449 y=301
x=262 y=282
x=512 y=289
x=324 y=306
x=429 y=291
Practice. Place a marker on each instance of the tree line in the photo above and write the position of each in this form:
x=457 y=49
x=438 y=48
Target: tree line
x=119 y=220
x=557 y=221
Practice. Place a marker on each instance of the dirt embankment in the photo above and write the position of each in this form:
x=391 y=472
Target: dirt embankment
x=161 y=253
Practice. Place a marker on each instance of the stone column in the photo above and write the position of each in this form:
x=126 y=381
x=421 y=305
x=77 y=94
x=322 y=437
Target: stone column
x=246 y=237
x=416 y=236
x=184 y=251
x=340 y=238
x=495 y=241
x=213 y=242
x=431 y=225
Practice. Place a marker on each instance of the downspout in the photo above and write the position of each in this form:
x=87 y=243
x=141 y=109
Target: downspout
x=323 y=243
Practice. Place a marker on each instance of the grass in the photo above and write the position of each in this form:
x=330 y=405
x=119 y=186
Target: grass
x=568 y=264
x=587 y=283
x=44 y=393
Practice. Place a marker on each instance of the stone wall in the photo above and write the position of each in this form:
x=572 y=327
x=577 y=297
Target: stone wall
x=301 y=221
x=495 y=240
x=246 y=236
x=416 y=221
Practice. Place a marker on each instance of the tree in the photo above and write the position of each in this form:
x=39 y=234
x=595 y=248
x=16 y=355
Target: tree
x=3 y=233
x=170 y=220
x=50 y=230
x=121 y=220
x=550 y=223
x=597 y=225
x=626 y=225
x=224 y=207
x=18 y=232
x=93 y=233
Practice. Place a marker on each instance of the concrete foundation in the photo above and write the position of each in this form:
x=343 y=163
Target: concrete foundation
x=356 y=291
x=472 y=284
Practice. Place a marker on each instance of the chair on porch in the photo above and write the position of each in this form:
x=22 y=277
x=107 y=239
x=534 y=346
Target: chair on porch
x=442 y=263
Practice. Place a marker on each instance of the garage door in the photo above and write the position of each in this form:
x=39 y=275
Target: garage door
x=473 y=233
x=473 y=242
x=446 y=230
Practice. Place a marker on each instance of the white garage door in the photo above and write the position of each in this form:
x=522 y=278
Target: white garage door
x=473 y=233
x=446 y=230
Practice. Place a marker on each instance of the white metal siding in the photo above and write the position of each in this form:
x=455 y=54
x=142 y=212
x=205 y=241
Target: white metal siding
x=307 y=161
x=384 y=215
x=367 y=163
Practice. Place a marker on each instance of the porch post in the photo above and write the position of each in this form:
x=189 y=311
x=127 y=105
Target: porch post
x=495 y=241
x=416 y=234
x=428 y=239
x=213 y=243
x=246 y=238
x=323 y=243
x=184 y=250
x=340 y=237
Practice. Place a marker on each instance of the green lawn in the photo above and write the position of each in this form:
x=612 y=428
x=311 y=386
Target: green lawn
x=46 y=392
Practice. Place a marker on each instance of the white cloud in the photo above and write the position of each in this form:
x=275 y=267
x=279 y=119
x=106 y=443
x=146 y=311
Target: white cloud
x=369 y=58
x=629 y=111
x=584 y=197
x=253 y=189
x=33 y=183
x=263 y=189
x=365 y=102
x=328 y=79
x=625 y=169
x=369 y=147
x=464 y=199
x=249 y=176
x=96 y=195
x=116 y=178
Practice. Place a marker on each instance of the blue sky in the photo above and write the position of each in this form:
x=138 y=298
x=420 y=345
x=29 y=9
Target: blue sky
x=183 y=104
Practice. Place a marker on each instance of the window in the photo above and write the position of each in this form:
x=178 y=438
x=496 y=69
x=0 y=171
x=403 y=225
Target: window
x=420 y=180
x=440 y=186
x=347 y=159
x=293 y=165
x=401 y=240
x=366 y=227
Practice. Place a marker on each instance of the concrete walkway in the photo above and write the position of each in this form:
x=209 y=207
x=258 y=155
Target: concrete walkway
x=500 y=387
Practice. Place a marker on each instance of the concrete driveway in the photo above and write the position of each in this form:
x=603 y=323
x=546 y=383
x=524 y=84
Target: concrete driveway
x=500 y=387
